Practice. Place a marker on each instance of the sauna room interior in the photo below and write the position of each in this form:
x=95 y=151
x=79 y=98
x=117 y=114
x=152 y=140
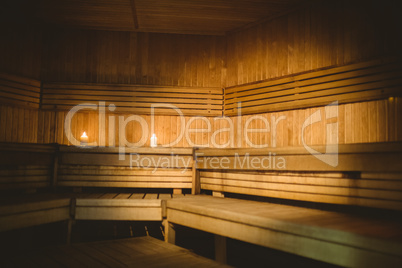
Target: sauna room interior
x=200 y=133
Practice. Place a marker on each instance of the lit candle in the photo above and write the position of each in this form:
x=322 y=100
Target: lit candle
x=153 y=141
x=84 y=139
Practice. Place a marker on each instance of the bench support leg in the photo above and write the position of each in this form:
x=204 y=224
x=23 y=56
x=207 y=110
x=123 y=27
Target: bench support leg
x=69 y=231
x=220 y=249
x=218 y=194
x=177 y=191
x=170 y=233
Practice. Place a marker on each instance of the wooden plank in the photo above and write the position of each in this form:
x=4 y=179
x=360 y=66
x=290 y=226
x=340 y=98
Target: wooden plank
x=137 y=196
x=113 y=160
x=123 y=171
x=309 y=75
x=321 y=250
x=22 y=220
x=20 y=79
x=85 y=177
x=151 y=196
x=302 y=188
x=128 y=184
x=323 y=179
x=119 y=213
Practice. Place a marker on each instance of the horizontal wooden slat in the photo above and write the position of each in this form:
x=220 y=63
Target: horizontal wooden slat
x=134 y=103
x=146 y=111
x=365 y=175
x=306 y=179
x=145 y=161
x=101 y=178
x=363 y=148
x=20 y=79
x=129 y=184
x=372 y=80
x=146 y=167
x=131 y=88
x=135 y=99
x=122 y=171
x=302 y=188
x=20 y=91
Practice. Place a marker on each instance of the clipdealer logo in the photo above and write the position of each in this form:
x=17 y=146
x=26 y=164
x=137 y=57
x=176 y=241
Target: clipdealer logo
x=330 y=156
x=238 y=130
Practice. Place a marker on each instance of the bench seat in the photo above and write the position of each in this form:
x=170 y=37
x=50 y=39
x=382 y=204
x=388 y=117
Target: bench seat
x=36 y=210
x=20 y=211
x=332 y=237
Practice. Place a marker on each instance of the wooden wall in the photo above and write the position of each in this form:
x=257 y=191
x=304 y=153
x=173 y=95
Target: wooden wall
x=374 y=121
x=134 y=58
x=135 y=99
x=363 y=81
x=21 y=50
x=325 y=34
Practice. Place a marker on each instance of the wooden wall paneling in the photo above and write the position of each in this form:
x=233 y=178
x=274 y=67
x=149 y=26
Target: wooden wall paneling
x=3 y=122
x=357 y=82
x=392 y=112
x=21 y=49
x=320 y=35
x=398 y=119
x=9 y=124
x=134 y=99
x=19 y=90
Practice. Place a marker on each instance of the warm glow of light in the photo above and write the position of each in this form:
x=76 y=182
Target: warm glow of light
x=84 y=138
x=153 y=141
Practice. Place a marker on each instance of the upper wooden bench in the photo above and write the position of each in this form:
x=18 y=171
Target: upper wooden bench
x=140 y=168
x=26 y=166
x=368 y=175
x=31 y=166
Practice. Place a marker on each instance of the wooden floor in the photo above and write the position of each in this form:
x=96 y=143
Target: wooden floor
x=133 y=252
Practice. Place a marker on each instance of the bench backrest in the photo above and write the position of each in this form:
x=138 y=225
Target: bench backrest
x=136 y=168
x=24 y=166
x=368 y=175
x=34 y=166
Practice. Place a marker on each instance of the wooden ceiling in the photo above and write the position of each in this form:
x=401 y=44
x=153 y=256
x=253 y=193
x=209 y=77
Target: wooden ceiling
x=212 y=17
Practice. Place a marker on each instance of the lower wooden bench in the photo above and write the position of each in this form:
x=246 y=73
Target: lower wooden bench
x=331 y=237
x=26 y=211
x=33 y=212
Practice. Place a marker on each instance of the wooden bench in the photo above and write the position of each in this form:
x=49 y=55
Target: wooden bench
x=31 y=211
x=21 y=211
x=32 y=166
x=26 y=166
x=141 y=168
x=122 y=207
x=331 y=237
x=367 y=176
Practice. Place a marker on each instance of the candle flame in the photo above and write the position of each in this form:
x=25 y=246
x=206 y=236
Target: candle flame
x=84 y=135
